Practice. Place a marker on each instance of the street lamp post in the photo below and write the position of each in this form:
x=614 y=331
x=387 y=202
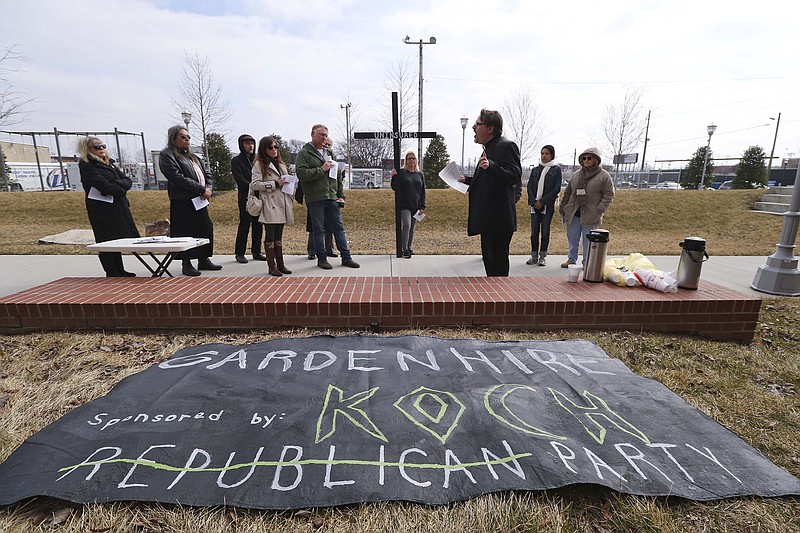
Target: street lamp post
x=408 y=40
x=711 y=128
x=187 y=118
x=464 y=121
x=774 y=140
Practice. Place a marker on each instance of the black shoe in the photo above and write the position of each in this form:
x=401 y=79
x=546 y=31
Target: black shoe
x=350 y=263
x=311 y=256
x=324 y=265
x=241 y=259
x=331 y=253
x=204 y=263
x=126 y=274
x=259 y=257
x=407 y=254
x=189 y=270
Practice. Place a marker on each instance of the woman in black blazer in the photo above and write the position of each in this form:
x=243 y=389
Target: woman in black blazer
x=189 y=187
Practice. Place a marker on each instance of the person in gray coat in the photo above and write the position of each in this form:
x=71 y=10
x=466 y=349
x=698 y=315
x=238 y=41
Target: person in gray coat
x=587 y=196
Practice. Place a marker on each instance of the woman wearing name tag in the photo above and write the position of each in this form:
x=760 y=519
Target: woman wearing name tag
x=543 y=188
x=189 y=187
x=587 y=196
x=276 y=211
x=106 y=188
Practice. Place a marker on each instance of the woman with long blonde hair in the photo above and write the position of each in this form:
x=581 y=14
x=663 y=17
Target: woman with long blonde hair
x=409 y=186
x=106 y=187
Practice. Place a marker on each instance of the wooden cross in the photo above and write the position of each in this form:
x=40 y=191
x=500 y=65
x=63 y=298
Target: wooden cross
x=396 y=135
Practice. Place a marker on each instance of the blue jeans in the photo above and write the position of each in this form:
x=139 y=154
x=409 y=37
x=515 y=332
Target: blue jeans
x=327 y=213
x=577 y=232
x=541 y=222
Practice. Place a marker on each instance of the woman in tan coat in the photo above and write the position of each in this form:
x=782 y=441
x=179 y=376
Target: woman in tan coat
x=268 y=178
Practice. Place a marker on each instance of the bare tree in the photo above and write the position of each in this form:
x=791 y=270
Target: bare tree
x=401 y=77
x=199 y=95
x=363 y=152
x=624 y=123
x=523 y=122
x=12 y=102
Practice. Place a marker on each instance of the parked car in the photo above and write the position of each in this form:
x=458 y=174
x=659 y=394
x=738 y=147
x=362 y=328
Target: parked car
x=726 y=185
x=671 y=185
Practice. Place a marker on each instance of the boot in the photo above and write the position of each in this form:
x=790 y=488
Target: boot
x=269 y=247
x=189 y=269
x=204 y=263
x=279 y=258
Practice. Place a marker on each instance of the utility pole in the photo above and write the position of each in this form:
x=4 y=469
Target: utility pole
x=646 y=131
x=346 y=108
x=774 y=140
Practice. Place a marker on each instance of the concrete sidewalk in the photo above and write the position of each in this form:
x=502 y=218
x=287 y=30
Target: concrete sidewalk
x=20 y=272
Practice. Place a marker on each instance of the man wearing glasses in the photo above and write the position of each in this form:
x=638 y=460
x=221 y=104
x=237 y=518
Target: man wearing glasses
x=492 y=199
x=587 y=196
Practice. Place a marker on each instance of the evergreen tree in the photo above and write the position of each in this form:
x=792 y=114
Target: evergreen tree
x=436 y=158
x=693 y=173
x=751 y=172
x=219 y=162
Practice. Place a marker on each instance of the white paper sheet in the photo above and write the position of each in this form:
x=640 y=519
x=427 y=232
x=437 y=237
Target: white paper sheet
x=419 y=215
x=94 y=194
x=289 y=187
x=450 y=175
x=199 y=203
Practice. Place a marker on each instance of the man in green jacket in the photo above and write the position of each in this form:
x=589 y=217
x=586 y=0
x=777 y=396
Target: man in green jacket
x=322 y=187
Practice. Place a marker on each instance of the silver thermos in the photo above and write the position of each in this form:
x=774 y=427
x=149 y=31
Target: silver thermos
x=596 y=256
x=693 y=256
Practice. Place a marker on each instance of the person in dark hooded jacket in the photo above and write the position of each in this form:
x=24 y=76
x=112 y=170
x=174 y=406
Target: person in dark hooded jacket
x=242 y=170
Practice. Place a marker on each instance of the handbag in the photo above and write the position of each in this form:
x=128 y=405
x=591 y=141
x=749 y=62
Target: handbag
x=254 y=204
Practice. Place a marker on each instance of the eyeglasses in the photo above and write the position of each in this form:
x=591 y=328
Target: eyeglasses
x=273 y=147
x=187 y=137
x=478 y=124
x=99 y=147
x=587 y=157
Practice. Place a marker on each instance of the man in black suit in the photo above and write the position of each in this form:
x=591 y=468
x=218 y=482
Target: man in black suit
x=492 y=201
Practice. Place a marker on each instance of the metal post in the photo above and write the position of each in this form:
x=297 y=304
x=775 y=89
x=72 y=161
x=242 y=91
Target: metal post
x=3 y=173
x=119 y=152
x=464 y=121
x=346 y=108
x=408 y=40
x=646 y=131
x=774 y=140
x=60 y=159
x=146 y=166
x=780 y=274
x=38 y=163
x=711 y=128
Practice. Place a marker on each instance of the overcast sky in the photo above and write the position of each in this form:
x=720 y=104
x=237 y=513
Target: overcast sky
x=285 y=65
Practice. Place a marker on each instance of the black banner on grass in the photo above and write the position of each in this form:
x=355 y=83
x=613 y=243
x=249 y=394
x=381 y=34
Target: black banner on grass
x=322 y=421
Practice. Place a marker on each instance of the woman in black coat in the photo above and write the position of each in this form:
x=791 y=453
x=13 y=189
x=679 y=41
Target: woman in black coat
x=409 y=187
x=543 y=188
x=189 y=187
x=106 y=188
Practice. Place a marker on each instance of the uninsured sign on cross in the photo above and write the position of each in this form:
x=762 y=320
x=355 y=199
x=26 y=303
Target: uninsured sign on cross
x=396 y=135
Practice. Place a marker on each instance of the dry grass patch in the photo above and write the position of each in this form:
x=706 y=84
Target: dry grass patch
x=751 y=389
x=649 y=222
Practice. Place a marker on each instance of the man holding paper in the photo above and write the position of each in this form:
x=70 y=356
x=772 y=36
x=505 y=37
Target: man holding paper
x=324 y=195
x=492 y=201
